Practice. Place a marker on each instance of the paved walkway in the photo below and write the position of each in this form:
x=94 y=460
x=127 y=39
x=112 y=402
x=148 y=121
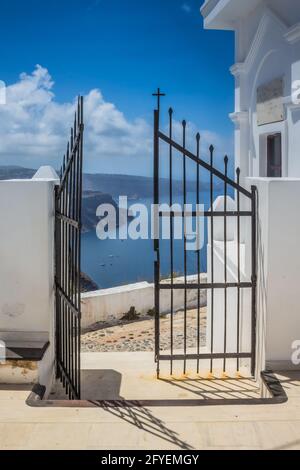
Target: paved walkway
x=139 y=335
x=132 y=376
x=206 y=427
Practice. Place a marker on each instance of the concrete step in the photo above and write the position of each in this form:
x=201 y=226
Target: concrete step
x=20 y=362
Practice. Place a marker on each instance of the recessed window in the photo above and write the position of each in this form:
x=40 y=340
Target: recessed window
x=274 y=156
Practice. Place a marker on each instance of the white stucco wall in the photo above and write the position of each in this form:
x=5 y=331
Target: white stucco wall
x=27 y=259
x=278 y=270
x=278 y=293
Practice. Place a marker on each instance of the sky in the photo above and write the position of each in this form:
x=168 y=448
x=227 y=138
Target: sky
x=116 y=53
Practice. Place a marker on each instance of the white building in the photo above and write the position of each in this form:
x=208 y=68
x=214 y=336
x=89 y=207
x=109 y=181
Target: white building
x=267 y=149
x=267 y=74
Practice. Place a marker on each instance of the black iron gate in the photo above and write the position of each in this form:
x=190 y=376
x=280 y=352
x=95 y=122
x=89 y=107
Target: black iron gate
x=226 y=310
x=68 y=200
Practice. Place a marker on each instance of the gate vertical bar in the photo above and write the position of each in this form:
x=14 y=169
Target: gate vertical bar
x=77 y=206
x=70 y=267
x=198 y=253
x=57 y=277
x=81 y=118
x=238 y=172
x=254 y=277
x=156 y=238
x=225 y=264
x=211 y=150
x=184 y=246
x=65 y=267
x=171 y=238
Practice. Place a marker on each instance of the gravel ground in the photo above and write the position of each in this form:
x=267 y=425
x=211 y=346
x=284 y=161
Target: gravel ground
x=139 y=335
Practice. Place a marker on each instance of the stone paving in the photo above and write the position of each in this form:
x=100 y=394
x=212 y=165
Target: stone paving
x=138 y=335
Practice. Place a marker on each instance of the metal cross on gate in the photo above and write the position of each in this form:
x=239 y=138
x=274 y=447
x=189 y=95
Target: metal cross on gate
x=158 y=94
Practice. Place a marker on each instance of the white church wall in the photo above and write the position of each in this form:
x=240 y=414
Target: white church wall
x=288 y=10
x=245 y=32
x=267 y=48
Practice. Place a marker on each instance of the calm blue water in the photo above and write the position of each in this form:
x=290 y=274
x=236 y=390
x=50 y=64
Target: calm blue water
x=112 y=263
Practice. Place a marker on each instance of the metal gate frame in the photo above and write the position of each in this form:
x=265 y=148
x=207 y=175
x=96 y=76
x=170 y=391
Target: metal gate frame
x=68 y=203
x=159 y=136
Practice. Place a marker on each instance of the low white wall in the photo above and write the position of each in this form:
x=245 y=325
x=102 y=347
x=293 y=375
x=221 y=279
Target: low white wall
x=112 y=304
x=278 y=270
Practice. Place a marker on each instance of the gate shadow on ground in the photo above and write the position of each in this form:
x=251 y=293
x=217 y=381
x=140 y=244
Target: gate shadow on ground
x=102 y=388
x=103 y=384
x=144 y=420
x=218 y=389
x=109 y=382
x=106 y=385
x=138 y=414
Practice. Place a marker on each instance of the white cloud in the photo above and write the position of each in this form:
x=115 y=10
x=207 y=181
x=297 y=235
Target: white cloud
x=34 y=129
x=186 y=8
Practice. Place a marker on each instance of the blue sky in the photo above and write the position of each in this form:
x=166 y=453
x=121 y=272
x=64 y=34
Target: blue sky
x=124 y=49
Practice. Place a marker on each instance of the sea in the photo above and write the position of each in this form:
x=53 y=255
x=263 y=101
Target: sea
x=112 y=263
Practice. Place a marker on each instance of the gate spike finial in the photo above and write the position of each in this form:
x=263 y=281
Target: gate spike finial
x=198 y=137
x=78 y=110
x=68 y=152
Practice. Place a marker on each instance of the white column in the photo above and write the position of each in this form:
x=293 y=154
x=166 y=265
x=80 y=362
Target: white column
x=240 y=118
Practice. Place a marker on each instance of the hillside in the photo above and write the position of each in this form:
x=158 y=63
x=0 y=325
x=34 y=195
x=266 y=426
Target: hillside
x=15 y=172
x=134 y=187
x=90 y=202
